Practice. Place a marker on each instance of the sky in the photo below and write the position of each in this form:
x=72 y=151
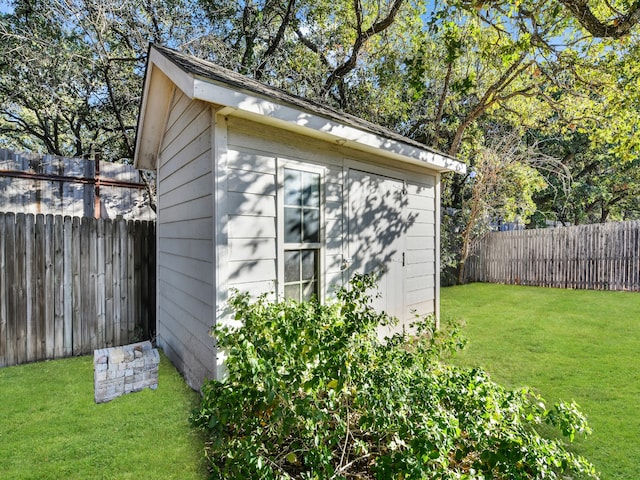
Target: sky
x=5 y=7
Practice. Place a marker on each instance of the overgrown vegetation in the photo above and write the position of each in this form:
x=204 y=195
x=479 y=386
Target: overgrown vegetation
x=311 y=393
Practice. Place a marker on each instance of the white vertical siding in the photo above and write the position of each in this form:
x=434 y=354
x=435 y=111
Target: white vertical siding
x=185 y=240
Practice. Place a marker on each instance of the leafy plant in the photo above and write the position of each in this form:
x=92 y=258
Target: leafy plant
x=311 y=392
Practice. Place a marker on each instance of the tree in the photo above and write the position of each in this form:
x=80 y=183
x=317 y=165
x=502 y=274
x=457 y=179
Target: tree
x=502 y=183
x=306 y=47
x=600 y=18
x=601 y=187
x=41 y=108
x=70 y=71
x=605 y=19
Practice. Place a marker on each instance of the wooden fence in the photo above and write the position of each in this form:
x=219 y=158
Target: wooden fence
x=594 y=257
x=69 y=285
x=47 y=184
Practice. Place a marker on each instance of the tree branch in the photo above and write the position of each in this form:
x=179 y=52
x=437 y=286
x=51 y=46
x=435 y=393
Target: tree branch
x=615 y=28
x=312 y=46
x=362 y=37
x=286 y=20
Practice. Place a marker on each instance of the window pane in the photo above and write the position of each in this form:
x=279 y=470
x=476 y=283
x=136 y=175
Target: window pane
x=292 y=291
x=291 y=266
x=309 y=291
x=292 y=225
x=311 y=225
x=311 y=189
x=308 y=264
x=292 y=187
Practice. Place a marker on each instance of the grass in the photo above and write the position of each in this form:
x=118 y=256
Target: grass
x=565 y=344
x=50 y=427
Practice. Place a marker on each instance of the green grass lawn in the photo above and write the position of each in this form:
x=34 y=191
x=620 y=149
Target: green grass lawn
x=50 y=427
x=565 y=344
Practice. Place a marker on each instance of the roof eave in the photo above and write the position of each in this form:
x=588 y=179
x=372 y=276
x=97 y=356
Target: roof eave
x=161 y=76
x=352 y=138
x=245 y=105
x=162 y=73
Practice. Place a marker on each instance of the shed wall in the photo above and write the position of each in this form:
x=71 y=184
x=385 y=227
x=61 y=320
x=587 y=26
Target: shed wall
x=251 y=202
x=420 y=263
x=254 y=155
x=185 y=240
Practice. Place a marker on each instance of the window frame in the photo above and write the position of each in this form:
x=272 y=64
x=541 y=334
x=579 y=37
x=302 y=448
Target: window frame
x=282 y=246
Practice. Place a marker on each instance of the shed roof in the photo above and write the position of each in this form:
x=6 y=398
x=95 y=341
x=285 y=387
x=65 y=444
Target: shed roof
x=240 y=96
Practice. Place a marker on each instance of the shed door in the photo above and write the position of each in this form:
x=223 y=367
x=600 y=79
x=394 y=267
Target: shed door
x=377 y=234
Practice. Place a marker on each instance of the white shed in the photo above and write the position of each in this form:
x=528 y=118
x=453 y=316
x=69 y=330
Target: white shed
x=263 y=191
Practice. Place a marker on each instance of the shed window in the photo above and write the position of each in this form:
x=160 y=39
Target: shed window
x=301 y=234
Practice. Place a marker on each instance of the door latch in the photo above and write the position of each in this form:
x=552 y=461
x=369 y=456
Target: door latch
x=345 y=264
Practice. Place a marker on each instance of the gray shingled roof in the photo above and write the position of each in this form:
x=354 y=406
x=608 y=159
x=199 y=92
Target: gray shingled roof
x=214 y=73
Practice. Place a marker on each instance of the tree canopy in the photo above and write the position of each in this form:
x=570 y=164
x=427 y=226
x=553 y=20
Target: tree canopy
x=561 y=74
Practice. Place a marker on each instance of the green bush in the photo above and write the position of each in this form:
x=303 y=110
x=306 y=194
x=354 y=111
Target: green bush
x=311 y=393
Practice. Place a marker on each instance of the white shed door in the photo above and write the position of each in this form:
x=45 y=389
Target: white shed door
x=377 y=234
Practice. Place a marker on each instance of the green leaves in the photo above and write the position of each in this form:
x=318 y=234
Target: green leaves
x=71 y=71
x=313 y=393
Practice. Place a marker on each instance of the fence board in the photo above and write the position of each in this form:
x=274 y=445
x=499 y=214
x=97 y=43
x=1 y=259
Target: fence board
x=61 y=284
x=40 y=291
x=11 y=290
x=108 y=283
x=49 y=287
x=130 y=272
x=117 y=296
x=81 y=290
x=68 y=284
x=20 y=319
x=124 y=290
x=3 y=294
x=91 y=315
x=30 y=290
x=101 y=288
x=597 y=257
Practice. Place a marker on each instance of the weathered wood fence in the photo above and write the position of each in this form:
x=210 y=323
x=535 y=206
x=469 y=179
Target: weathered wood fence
x=594 y=257
x=69 y=285
x=47 y=184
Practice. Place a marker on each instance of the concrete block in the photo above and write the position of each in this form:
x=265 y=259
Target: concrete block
x=116 y=355
x=127 y=369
